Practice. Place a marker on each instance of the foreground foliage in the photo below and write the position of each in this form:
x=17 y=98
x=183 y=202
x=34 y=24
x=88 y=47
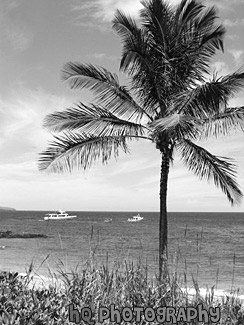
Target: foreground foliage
x=21 y=303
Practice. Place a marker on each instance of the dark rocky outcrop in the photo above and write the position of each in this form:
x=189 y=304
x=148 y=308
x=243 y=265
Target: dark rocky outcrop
x=10 y=234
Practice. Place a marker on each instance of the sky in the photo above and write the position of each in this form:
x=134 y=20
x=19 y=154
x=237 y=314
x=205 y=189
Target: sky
x=36 y=39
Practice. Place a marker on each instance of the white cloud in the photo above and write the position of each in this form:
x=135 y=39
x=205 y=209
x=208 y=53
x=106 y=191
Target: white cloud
x=21 y=116
x=237 y=55
x=220 y=67
x=7 y=6
x=22 y=186
x=104 y=56
x=232 y=23
x=19 y=38
x=105 y=9
x=135 y=164
x=226 y=5
x=12 y=35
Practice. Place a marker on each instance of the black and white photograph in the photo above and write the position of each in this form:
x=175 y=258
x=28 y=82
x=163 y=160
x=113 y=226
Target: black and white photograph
x=121 y=162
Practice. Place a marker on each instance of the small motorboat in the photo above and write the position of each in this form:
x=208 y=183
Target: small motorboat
x=135 y=218
x=58 y=216
x=108 y=220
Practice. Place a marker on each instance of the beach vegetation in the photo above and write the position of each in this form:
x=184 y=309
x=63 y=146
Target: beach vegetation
x=171 y=99
x=24 y=302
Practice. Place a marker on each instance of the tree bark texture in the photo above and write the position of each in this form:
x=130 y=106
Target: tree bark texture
x=163 y=221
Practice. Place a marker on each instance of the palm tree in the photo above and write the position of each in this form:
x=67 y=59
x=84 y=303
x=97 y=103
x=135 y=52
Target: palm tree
x=168 y=100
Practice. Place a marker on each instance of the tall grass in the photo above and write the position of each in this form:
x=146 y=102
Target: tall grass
x=124 y=283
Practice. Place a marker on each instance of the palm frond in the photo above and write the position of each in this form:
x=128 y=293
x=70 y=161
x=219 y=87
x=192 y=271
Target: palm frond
x=145 y=75
x=94 y=120
x=138 y=62
x=135 y=56
x=210 y=98
x=212 y=34
x=197 y=37
x=207 y=166
x=156 y=17
x=72 y=150
x=124 y=25
x=232 y=82
x=106 y=88
x=134 y=42
x=178 y=126
x=186 y=13
x=224 y=123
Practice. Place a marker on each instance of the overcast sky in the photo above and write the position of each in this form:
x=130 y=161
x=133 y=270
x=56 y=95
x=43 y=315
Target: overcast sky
x=37 y=37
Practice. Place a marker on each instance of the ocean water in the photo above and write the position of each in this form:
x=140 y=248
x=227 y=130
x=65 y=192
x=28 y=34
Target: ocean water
x=206 y=246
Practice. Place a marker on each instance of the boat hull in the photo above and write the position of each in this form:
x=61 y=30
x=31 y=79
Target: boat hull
x=59 y=218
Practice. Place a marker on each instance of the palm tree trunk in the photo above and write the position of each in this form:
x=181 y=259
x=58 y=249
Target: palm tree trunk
x=163 y=221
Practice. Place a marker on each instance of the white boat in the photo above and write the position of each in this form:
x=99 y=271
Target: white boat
x=135 y=218
x=108 y=220
x=58 y=216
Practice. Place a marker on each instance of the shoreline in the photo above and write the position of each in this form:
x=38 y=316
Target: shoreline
x=53 y=277
x=37 y=282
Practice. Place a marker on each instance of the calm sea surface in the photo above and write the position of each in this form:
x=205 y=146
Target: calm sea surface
x=207 y=246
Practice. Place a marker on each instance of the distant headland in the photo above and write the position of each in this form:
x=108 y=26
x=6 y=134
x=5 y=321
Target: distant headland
x=7 y=209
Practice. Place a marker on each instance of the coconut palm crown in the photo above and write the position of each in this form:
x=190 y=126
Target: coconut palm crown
x=170 y=100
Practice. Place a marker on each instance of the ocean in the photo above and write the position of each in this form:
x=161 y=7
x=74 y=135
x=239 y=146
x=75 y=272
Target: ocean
x=205 y=246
